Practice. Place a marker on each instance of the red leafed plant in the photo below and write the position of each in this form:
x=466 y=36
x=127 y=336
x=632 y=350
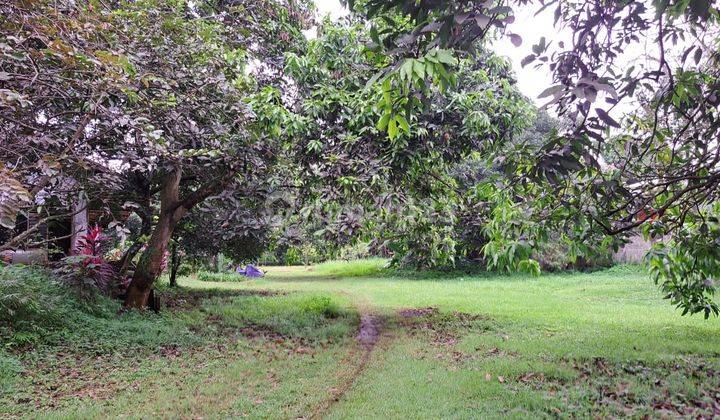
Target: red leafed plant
x=94 y=243
x=88 y=271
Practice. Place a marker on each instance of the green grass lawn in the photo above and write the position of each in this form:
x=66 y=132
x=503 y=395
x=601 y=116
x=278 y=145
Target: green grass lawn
x=565 y=345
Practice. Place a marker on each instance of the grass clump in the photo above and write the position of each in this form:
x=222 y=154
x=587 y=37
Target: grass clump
x=315 y=317
x=10 y=367
x=355 y=268
x=33 y=305
x=220 y=277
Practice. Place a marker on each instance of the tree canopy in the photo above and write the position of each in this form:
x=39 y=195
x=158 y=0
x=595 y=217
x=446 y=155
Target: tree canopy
x=655 y=169
x=397 y=126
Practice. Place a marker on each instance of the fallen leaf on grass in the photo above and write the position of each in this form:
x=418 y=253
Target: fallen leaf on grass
x=622 y=388
x=530 y=376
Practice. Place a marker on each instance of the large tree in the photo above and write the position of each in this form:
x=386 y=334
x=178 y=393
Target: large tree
x=397 y=187
x=150 y=101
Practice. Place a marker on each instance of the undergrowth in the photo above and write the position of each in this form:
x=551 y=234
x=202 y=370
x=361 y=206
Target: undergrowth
x=34 y=306
x=44 y=323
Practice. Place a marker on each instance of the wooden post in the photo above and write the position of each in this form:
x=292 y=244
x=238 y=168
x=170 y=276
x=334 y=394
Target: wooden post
x=79 y=223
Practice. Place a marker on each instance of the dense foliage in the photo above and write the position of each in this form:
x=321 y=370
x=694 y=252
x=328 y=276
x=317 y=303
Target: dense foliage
x=35 y=306
x=397 y=190
x=397 y=132
x=654 y=169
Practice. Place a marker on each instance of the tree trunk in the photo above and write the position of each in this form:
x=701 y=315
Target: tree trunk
x=172 y=209
x=215 y=263
x=174 y=265
x=78 y=223
x=150 y=264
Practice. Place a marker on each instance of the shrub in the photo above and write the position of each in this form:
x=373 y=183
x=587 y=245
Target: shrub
x=321 y=305
x=304 y=254
x=36 y=307
x=356 y=251
x=292 y=256
x=89 y=272
x=221 y=277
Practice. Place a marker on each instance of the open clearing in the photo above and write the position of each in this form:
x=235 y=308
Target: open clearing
x=348 y=340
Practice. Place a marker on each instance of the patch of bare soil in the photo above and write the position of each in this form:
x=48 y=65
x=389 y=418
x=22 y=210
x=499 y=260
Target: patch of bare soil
x=369 y=330
x=614 y=387
x=443 y=331
x=255 y=331
x=635 y=389
x=418 y=312
x=262 y=335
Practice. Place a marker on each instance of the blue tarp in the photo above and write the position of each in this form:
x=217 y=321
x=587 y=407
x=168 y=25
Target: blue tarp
x=250 y=271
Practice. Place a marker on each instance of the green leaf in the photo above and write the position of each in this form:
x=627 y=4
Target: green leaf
x=403 y=123
x=392 y=129
x=445 y=57
x=374 y=35
x=383 y=123
x=419 y=68
x=406 y=70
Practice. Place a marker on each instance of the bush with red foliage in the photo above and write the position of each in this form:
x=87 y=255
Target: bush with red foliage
x=88 y=271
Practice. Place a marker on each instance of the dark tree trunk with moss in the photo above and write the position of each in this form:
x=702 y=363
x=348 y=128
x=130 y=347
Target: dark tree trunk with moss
x=150 y=265
x=172 y=209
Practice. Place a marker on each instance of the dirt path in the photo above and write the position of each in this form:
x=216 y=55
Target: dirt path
x=369 y=331
x=368 y=336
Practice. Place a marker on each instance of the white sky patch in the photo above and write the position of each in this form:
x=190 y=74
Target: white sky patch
x=332 y=8
x=531 y=81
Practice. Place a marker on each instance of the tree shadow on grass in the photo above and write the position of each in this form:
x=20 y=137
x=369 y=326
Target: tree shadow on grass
x=188 y=298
